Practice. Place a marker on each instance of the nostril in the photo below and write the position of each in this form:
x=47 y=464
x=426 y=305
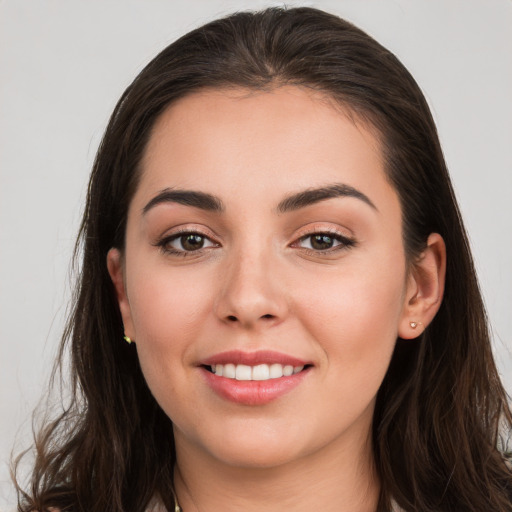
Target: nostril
x=269 y=316
x=232 y=318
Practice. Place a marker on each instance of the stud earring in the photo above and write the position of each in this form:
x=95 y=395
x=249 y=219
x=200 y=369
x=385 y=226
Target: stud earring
x=415 y=324
x=128 y=340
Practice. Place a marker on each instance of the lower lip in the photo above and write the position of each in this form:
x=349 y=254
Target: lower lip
x=253 y=392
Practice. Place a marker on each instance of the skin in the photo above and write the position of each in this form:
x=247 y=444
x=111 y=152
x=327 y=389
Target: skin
x=258 y=284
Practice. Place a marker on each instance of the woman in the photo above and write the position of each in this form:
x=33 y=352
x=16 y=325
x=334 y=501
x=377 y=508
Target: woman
x=271 y=228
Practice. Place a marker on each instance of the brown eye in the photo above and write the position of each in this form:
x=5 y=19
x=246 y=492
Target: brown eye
x=322 y=242
x=191 y=242
x=184 y=243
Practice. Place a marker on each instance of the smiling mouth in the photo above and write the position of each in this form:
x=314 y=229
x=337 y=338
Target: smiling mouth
x=258 y=372
x=254 y=378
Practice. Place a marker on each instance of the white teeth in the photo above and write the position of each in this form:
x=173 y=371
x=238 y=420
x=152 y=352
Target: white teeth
x=276 y=371
x=243 y=372
x=258 y=372
x=261 y=372
x=229 y=371
x=288 y=370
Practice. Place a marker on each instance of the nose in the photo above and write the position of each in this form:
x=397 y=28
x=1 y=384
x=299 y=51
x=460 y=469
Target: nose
x=251 y=293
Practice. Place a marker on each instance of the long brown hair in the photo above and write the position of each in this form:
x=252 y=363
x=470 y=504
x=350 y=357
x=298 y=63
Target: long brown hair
x=441 y=406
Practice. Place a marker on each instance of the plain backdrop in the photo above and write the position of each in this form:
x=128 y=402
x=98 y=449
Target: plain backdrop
x=63 y=65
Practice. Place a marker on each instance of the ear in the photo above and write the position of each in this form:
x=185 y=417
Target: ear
x=116 y=271
x=425 y=288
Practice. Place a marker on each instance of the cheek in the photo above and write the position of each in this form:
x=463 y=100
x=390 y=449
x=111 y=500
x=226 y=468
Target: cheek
x=354 y=316
x=168 y=311
x=165 y=302
x=169 y=316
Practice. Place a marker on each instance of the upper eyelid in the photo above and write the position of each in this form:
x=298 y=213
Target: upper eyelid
x=181 y=230
x=177 y=234
x=317 y=229
x=322 y=231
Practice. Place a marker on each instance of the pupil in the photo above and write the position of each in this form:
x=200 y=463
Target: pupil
x=192 y=242
x=321 y=242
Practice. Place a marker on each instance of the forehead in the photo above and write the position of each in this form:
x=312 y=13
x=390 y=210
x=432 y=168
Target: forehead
x=233 y=140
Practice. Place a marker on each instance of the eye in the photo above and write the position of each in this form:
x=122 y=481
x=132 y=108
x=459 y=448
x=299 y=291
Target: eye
x=323 y=242
x=186 y=242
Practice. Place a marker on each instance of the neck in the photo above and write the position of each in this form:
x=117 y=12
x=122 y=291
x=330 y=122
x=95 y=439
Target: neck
x=339 y=477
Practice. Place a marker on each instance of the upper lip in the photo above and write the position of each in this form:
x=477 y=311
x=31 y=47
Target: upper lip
x=253 y=358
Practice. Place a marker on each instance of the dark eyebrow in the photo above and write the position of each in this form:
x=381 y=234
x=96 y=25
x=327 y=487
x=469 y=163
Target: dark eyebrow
x=193 y=198
x=315 y=195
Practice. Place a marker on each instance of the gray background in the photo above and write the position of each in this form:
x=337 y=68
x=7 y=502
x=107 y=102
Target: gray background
x=63 y=65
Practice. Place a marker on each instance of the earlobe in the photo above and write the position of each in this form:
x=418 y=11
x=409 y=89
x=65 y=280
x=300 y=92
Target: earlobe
x=425 y=289
x=115 y=269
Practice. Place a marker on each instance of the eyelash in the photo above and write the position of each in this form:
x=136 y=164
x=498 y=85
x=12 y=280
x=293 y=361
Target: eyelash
x=344 y=243
x=164 y=246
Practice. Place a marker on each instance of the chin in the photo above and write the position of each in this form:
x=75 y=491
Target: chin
x=260 y=457
x=262 y=445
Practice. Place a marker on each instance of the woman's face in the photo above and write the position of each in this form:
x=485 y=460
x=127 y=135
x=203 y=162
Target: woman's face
x=263 y=237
